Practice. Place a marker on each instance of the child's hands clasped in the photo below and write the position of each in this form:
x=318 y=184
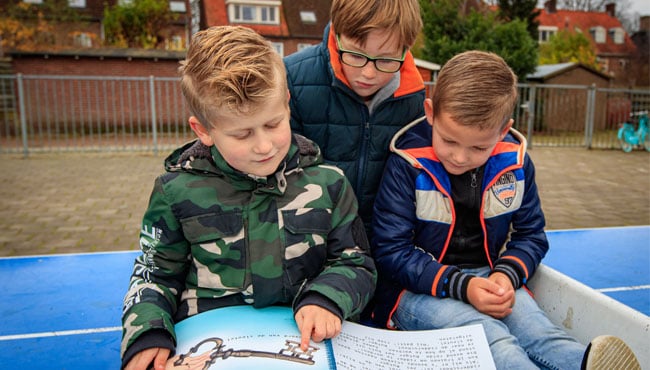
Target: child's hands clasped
x=493 y=296
x=316 y=323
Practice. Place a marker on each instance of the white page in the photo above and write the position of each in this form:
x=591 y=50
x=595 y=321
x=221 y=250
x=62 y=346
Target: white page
x=361 y=347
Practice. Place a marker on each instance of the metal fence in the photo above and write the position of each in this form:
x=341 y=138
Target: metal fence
x=45 y=113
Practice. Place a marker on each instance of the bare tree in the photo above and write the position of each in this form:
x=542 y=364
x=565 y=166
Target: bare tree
x=584 y=5
x=628 y=18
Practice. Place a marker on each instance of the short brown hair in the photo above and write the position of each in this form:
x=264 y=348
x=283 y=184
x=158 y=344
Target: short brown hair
x=229 y=67
x=357 y=18
x=476 y=88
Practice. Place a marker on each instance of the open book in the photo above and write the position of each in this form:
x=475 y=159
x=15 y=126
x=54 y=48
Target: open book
x=244 y=337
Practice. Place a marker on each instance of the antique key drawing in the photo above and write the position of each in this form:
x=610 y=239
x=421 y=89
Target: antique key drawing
x=192 y=360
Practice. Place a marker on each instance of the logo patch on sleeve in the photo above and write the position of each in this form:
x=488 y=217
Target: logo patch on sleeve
x=505 y=188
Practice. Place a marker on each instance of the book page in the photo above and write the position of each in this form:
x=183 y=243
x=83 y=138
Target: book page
x=243 y=337
x=363 y=347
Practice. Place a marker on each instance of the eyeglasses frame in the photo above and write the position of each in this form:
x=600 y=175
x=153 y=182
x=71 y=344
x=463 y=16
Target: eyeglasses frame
x=342 y=51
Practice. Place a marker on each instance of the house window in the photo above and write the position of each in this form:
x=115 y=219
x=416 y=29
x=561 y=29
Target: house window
x=77 y=3
x=598 y=33
x=308 y=17
x=177 y=6
x=83 y=40
x=303 y=45
x=603 y=63
x=175 y=43
x=260 y=12
x=279 y=47
x=617 y=34
x=545 y=33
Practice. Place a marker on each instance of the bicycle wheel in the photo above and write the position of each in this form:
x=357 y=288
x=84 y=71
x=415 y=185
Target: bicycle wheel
x=627 y=147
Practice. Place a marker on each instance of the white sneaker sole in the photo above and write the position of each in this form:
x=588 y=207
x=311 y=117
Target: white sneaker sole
x=610 y=353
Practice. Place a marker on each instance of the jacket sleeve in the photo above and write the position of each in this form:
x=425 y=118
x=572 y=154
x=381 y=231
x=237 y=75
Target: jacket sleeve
x=349 y=276
x=158 y=274
x=394 y=226
x=528 y=243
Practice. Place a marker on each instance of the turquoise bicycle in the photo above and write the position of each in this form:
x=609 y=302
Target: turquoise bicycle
x=629 y=137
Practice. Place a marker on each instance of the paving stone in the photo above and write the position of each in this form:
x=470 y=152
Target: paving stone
x=92 y=202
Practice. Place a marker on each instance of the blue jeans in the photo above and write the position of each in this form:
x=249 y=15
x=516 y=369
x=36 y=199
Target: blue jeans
x=525 y=339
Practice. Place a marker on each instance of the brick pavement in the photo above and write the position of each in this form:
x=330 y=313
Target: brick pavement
x=81 y=202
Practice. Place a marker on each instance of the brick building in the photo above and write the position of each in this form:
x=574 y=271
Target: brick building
x=614 y=48
x=82 y=23
x=641 y=39
x=288 y=25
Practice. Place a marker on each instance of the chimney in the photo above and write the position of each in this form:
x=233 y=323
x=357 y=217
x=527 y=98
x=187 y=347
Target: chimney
x=610 y=9
x=550 y=6
x=644 y=23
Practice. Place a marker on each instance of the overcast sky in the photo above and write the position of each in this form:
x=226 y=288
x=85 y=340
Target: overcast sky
x=641 y=6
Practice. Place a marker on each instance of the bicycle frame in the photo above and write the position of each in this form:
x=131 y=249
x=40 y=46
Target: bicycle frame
x=630 y=137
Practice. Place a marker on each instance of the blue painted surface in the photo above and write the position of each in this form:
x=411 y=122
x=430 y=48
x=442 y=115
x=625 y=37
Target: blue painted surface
x=97 y=351
x=63 y=292
x=62 y=295
x=49 y=301
x=607 y=259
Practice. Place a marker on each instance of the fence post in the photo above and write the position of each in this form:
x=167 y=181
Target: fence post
x=531 y=113
x=589 y=116
x=152 y=99
x=21 y=108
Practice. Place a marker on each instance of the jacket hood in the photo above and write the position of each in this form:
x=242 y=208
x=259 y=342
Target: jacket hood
x=195 y=157
x=417 y=134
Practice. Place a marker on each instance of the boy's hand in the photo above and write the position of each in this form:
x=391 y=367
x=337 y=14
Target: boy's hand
x=316 y=323
x=503 y=281
x=143 y=359
x=490 y=298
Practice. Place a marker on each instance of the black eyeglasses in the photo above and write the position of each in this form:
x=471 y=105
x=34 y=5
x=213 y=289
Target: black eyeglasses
x=359 y=60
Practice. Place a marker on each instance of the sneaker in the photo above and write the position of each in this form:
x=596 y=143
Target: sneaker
x=607 y=352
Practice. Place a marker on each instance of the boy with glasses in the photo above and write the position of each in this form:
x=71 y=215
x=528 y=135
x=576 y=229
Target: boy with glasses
x=352 y=92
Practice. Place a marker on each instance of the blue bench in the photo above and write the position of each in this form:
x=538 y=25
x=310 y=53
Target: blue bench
x=63 y=311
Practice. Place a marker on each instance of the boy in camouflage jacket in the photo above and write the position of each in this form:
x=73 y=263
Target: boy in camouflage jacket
x=246 y=214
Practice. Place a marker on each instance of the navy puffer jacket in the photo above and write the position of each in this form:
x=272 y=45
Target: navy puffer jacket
x=352 y=135
x=415 y=217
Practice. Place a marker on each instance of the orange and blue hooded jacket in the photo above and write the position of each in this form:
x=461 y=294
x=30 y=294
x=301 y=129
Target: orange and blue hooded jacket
x=414 y=218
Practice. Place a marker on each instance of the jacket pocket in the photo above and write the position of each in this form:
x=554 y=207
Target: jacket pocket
x=305 y=232
x=218 y=250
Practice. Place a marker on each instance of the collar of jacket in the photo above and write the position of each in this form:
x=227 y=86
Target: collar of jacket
x=195 y=157
x=410 y=78
x=517 y=143
x=507 y=155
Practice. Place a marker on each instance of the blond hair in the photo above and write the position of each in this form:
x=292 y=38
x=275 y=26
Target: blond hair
x=476 y=88
x=231 y=68
x=357 y=18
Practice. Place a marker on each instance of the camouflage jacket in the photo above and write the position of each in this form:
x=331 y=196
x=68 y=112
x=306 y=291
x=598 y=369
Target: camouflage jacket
x=214 y=237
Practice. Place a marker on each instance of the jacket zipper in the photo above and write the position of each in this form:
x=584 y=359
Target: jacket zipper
x=365 y=133
x=248 y=272
x=474 y=182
